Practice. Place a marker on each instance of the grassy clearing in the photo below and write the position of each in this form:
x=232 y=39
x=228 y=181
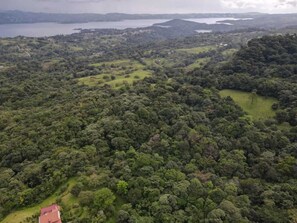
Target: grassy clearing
x=46 y=65
x=76 y=48
x=116 y=74
x=161 y=62
x=115 y=63
x=135 y=76
x=115 y=81
x=5 y=42
x=198 y=63
x=229 y=52
x=21 y=215
x=259 y=108
x=197 y=50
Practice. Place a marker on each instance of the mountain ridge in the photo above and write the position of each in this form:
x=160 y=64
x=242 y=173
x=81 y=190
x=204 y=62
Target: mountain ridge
x=17 y=16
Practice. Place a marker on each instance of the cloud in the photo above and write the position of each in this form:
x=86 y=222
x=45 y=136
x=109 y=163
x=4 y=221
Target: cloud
x=287 y=3
x=140 y=6
x=71 y=1
x=150 y=6
x=239 y=4
x=260 y=5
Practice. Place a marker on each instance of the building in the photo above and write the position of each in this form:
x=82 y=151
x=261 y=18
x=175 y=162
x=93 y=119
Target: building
x=50 y=214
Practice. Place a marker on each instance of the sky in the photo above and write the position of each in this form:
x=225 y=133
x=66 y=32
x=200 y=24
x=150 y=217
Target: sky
x=151 y=6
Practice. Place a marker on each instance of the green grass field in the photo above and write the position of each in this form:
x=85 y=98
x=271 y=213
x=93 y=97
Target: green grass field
x=5 y=42
x=115 y=63
x=116 y=74
x=21 y=215
x=117 y=82
x=198 y=63
x=76 y=48
x=260 y=108
x=159 y=62
x=229 y=52
x=46 y=65
x=197 y=50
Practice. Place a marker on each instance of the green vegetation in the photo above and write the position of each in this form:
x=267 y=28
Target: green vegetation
x=103 y=198
x=198 y=64
x=122 y=187
x=34 y=211
x=229 y=52
x=169 y=149
x=115 y=81
x=197 y=50
x=115 y=65
x=116 y=74
x=159 y=62
x=258 y=107
x=76 y=48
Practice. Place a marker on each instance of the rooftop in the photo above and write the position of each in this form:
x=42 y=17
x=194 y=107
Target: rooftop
x=50 y=214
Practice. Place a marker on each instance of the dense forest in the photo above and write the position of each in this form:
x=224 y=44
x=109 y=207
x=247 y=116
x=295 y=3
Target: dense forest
x=114 y=131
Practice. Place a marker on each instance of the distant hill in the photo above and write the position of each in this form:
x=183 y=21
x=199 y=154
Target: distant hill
x=259 y=22
x=180 y=22
x=187 y=26
x=269 y=21
x=8 y=17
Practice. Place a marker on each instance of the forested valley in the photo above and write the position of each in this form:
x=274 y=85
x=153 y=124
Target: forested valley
x=116 y=130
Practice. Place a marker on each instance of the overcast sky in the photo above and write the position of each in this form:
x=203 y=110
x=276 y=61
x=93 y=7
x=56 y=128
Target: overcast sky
x=151 y=6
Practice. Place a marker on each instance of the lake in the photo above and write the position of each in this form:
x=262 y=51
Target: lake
x=213 y=20
x=52 y=29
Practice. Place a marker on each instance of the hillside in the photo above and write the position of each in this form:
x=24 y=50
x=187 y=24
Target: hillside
x=187 y=26
x=269 y=66
x=118 y=130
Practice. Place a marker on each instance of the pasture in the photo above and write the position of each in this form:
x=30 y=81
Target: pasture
x=116 y=74
x=258 y=107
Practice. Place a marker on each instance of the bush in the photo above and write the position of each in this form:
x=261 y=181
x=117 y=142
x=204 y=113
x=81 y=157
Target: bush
x=86 y=198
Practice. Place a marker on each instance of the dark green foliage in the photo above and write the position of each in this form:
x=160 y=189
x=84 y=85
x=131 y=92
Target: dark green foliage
x=103 y=198
x=167 y=149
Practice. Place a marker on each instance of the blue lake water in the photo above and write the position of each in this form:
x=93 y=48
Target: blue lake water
x=52 y=29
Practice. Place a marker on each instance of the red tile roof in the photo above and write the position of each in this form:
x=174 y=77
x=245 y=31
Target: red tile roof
x=48 y=209
x=50 y=214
